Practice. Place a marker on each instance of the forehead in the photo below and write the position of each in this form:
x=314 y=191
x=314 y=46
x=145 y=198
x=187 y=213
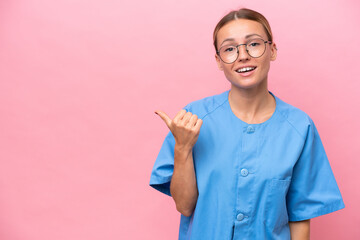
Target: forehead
x=239 y=28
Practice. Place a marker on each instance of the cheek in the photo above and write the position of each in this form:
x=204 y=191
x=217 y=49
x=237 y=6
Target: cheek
x=228 y=70
x=225 y=67
x=264 y=63
x=265 y=67
x=229 y=74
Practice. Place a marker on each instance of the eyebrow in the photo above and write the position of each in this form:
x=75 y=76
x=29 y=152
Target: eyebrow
x=246 y=37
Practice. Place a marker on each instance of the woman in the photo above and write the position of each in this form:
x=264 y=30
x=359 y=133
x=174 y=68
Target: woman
x=257 y=169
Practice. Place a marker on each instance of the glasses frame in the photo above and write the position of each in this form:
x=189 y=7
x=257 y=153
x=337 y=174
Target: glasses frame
x=237 y=50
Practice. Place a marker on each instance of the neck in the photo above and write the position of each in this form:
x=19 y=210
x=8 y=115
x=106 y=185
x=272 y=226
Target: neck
x=252 y=104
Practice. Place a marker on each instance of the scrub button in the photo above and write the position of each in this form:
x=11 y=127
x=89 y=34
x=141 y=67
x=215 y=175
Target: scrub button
x=244 y=172
x=250 y=129
x=240 y=217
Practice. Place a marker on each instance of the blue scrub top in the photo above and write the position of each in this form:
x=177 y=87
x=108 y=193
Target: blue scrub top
x=252 y=178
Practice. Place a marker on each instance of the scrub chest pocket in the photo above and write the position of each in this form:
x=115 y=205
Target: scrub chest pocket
x=275 y=207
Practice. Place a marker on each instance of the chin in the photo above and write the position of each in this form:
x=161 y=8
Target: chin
x=244 y=83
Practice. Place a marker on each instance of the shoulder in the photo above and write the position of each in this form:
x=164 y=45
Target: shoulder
x=295 y=117
x=204 y=106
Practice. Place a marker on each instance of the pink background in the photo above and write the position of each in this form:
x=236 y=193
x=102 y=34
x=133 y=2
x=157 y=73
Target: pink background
x=79 y=83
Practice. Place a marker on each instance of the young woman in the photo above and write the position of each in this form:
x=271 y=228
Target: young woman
x=257 y=169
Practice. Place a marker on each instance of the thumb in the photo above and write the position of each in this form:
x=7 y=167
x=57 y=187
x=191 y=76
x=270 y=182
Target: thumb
x=164 y=117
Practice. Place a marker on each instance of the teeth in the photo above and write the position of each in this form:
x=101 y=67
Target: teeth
x=245 y=69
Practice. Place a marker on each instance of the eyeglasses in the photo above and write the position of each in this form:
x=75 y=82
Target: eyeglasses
x=255 y=48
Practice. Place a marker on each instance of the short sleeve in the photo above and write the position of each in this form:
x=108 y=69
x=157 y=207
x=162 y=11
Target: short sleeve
x=163 y=168
x=313 y=190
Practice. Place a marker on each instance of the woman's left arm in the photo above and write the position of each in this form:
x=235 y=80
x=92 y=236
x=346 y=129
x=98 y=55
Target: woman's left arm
x=300 y=230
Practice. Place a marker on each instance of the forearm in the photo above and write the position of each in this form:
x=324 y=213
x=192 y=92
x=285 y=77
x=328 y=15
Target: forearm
x=183 y=185
x=300 y=230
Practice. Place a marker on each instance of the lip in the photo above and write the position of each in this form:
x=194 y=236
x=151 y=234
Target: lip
x=245 y=74
x=244 y=66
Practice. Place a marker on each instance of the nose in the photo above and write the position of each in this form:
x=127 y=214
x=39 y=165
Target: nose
x=243 y=54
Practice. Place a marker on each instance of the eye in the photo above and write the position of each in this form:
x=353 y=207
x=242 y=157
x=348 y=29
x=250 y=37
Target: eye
x=254 y=44
x=229 y=49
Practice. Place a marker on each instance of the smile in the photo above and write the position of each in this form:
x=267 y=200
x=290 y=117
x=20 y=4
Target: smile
x=245 y=69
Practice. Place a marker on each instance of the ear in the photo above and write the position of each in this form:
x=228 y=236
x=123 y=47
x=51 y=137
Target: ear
x=219 y=63
x=273 y=52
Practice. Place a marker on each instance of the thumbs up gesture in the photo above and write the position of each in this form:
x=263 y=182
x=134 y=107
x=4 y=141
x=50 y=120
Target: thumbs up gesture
x=185 y=127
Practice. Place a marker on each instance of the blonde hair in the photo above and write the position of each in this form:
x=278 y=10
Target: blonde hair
x=243 y=13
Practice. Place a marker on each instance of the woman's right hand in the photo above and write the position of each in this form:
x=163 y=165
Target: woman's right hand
x=185 y=127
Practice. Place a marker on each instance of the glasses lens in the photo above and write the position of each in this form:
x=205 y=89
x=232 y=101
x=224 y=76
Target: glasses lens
x=256 y=47
x=228 y=53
